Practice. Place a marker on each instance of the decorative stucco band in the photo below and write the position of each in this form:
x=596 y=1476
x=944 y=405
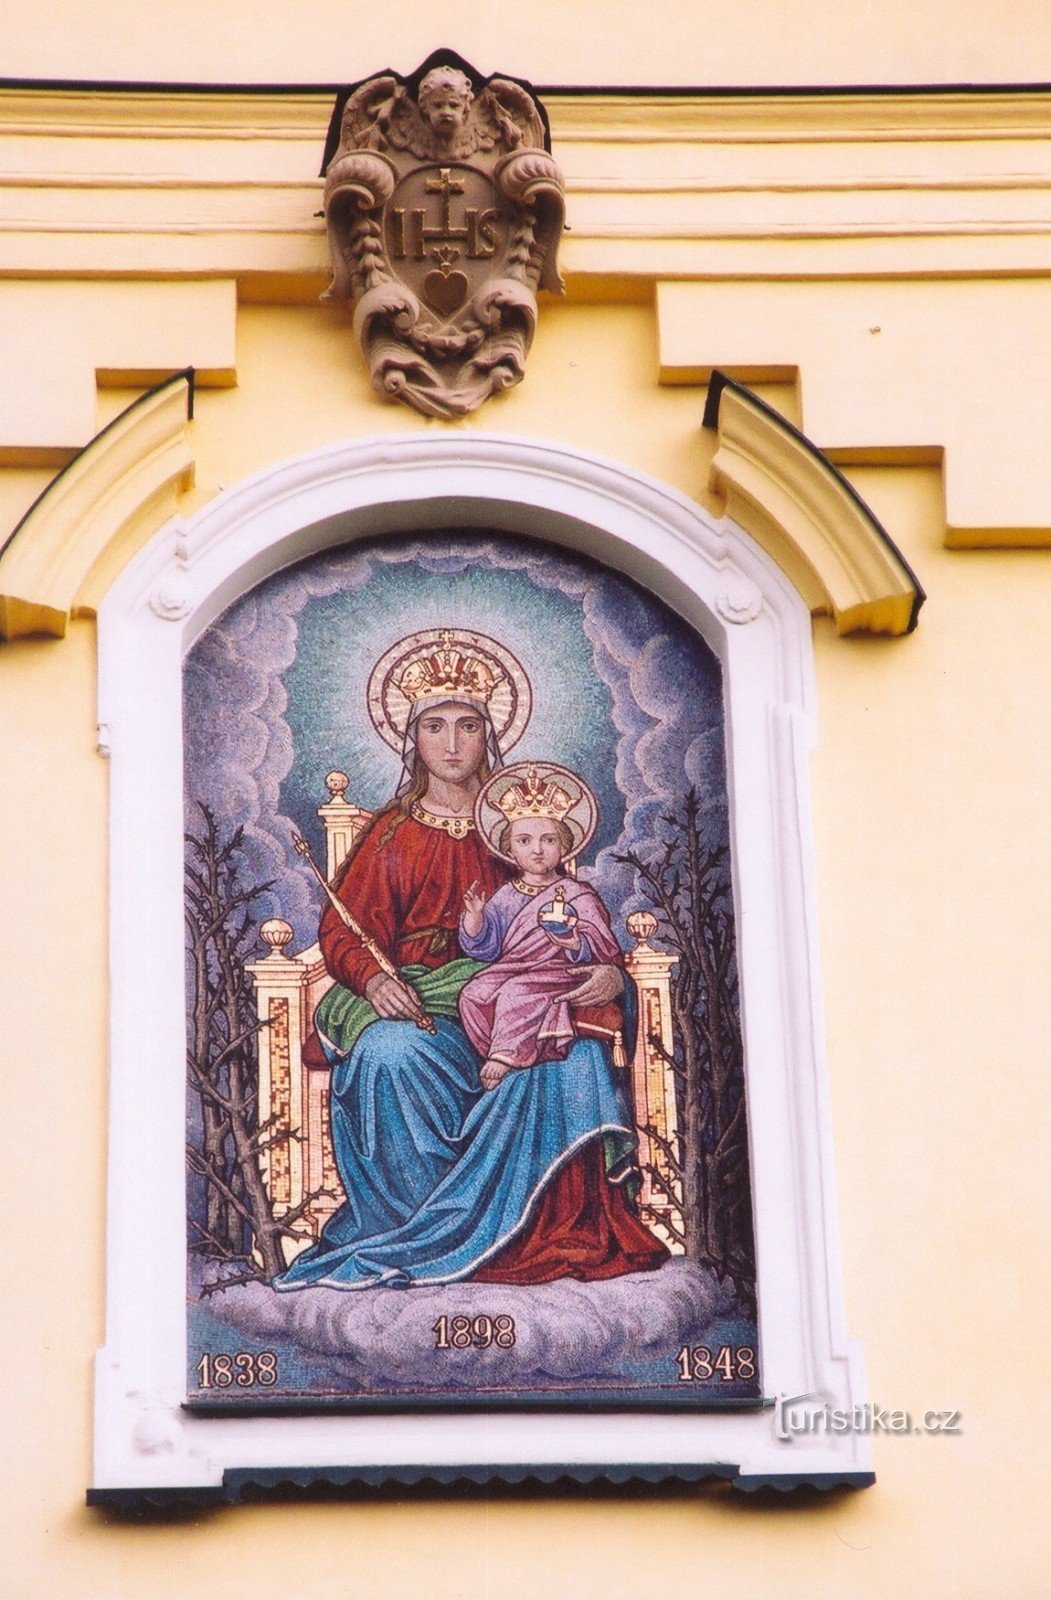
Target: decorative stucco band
x=807 y=516
x=72 y=541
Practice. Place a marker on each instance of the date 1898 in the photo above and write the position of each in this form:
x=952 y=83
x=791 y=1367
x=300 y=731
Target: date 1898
x=474 y=1333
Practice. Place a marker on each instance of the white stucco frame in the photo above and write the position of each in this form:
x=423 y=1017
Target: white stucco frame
x=719 y=580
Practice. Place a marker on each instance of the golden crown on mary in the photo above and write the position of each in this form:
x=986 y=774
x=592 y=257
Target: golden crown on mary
x=448 y=670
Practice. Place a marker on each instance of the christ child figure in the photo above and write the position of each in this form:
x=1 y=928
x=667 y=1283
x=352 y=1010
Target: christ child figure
x=539 y=933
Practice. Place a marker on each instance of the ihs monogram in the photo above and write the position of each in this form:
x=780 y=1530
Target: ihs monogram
x=444 y=210
x=412 y=234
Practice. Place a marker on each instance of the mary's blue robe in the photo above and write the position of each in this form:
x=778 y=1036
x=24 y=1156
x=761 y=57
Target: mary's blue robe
x=439 y=1174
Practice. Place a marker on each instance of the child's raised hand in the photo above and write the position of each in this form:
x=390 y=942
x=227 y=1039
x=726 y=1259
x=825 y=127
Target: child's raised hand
x=473 y=907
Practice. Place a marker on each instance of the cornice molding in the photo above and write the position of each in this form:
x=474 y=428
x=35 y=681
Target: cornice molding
x=110 y=182
x=72 y=541
x=802 y=118
x=805 y=514
x=808 y=116
x=143 y=114
x=778 y=486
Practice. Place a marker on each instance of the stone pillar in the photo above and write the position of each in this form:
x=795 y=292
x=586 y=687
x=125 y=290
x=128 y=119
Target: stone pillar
x=321 y=1174
x=343 y=822
x=280 y=991
x=653 y=1082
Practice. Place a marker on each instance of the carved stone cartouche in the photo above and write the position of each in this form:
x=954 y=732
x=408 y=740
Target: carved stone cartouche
x=444 y=212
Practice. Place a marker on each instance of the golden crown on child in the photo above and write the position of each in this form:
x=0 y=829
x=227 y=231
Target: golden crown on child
x=534 y=797
x=448 y=669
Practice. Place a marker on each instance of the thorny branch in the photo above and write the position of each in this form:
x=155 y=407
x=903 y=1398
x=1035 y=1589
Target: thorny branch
x=666 y=1220
x=686 y=878
x=239 y=1225
x=673 y=1153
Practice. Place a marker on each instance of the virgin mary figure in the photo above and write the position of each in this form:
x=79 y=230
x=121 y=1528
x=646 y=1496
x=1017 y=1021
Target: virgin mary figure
x=443 y=1180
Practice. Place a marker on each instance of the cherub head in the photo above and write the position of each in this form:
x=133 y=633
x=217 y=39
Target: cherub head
x=444 y=98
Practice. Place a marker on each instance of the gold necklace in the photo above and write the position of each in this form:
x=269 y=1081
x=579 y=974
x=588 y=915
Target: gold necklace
x=531 y=888
x=456 y=827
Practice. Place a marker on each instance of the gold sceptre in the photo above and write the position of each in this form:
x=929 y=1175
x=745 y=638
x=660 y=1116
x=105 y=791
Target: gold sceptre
x=302 y=848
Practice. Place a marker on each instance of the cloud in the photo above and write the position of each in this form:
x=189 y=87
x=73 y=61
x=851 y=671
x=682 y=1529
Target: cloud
x=567 y=1333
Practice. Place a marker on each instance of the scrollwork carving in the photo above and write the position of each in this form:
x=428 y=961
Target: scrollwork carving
x=444 y=209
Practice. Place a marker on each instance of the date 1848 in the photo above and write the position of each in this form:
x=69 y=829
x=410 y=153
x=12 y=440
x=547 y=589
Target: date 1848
x=698 y=1364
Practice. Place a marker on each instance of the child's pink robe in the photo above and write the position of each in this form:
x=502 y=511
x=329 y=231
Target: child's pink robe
x=517 y=1010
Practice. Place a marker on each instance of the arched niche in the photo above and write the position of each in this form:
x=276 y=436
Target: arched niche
x=732 y=593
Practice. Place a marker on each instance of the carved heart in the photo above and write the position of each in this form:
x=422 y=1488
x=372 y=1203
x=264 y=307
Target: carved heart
x=445 y=292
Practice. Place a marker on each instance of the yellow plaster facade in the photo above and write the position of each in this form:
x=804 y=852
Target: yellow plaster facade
x=877 y=268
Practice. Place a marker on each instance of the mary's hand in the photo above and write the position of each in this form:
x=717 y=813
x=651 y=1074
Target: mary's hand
x=601 y=985
x=393 y=1000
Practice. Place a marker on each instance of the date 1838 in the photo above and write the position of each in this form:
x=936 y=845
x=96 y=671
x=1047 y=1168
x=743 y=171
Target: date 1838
x=243 y=1369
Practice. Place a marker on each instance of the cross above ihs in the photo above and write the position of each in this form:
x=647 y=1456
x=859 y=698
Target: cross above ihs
x=412 y=232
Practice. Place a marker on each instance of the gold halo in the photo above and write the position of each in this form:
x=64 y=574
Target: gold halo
x=510 y=704
x=582 y=817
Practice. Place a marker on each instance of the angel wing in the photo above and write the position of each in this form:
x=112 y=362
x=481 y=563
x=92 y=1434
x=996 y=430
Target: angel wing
x=505 y=113
x=380 y=116
x=366 y=114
